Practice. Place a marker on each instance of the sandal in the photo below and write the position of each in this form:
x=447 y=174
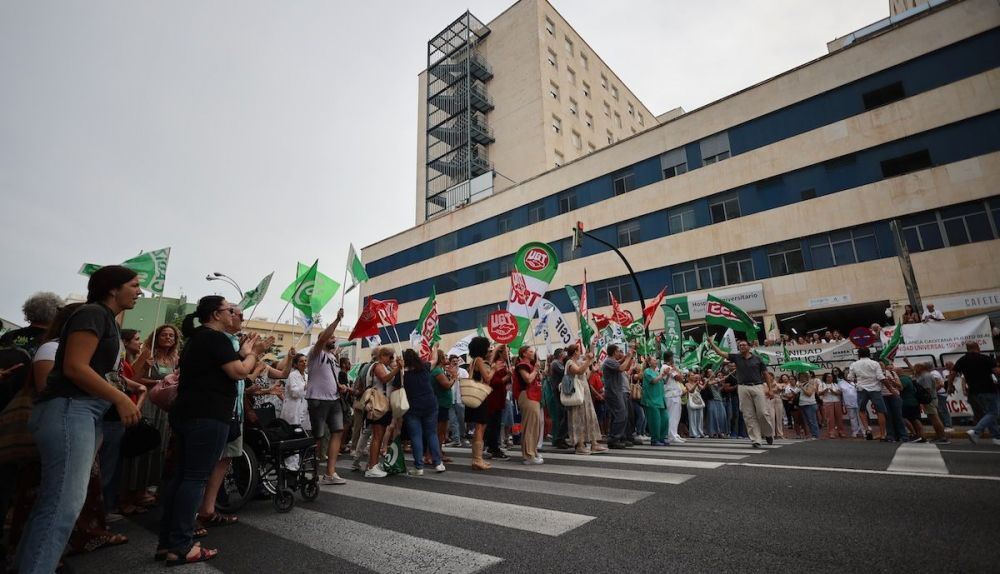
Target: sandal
x=203 y=555
x=217 y=519
x=199 y=532
x=161 y=553
x=133 y=510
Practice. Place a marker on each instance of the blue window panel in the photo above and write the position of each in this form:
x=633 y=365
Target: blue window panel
x=761 y=266
x=693 y=150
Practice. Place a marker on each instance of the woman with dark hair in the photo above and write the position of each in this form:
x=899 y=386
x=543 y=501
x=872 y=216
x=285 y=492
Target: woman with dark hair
x=421 y=419
x=528 y=393
x=497 y=401
x=583 y=425
x=201 y=418
x=482 y=371
x=443 y=380
x=65 y=422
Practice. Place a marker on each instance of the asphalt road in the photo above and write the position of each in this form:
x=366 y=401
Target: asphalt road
x=817 y=506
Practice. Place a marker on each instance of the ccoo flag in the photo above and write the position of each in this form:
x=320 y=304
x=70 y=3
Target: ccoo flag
x=301 y=292
x=356 y=269
x=726 y=314
x=150 y=265
x=888 y=353
x=256 y=295
x=322 y=289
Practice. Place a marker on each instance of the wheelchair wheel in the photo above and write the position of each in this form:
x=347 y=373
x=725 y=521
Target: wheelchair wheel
x=310 y=490
x=269 y=478
x=240 y=483
x=283 y=501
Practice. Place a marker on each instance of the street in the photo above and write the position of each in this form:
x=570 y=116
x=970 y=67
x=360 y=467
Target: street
x=707 y=505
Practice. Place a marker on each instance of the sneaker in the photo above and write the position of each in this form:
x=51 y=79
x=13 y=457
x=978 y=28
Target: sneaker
x=583 y=451
x=487 y=455
x=452 y=443
x=755 y=445
x=678 y=438
x=356 y=466
x=598 y=448
x=440 y=468
x=868 y=435
x=949 y=429
x=561 y=445
x=940 y=441
x=919 y=440
x=113 y=517
x=616 y=444
x=538 y=460
x=996 y=442
x=466 y=444
x=375 y=472
x=770 y=440
x=415 y=472
x=500 y=455
x=332 y=480
x=972 y=436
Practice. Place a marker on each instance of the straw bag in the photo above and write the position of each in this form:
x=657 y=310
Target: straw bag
x=399 y=403
x=473 y=392
x=635 y=392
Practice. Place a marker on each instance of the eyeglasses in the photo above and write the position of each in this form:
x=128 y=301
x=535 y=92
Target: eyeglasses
x=231 y=310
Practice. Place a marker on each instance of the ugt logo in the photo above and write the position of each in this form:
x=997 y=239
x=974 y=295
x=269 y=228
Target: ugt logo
x=536 y=259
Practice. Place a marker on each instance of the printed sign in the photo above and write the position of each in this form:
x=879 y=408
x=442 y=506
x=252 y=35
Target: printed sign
x=502 y=326
x=749 y=298
x=941 y=337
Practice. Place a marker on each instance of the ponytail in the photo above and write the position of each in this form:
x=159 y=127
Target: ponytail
x=187 y=327
x=207 y=305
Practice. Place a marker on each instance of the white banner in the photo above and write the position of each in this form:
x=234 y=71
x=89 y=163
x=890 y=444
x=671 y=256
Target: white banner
x=555 y=319
x=938 y=337
x=821 y=354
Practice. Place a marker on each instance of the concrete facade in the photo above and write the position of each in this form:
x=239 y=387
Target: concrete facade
x=966 y=105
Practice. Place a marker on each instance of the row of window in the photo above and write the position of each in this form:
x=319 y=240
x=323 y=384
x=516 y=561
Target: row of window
x=946 y=227
x=929 y=71
x=951 y=143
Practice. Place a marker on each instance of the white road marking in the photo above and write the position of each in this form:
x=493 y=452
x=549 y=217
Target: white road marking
x=920 y=458
x=866 y=471
x=377 y=549
x=540 y=520
x=566 y=489
x=679 y=448
x=591 y=472
x=599 y=458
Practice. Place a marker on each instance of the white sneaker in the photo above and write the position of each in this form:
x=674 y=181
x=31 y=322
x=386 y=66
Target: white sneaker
x=948 y=429
x=678 y=438
x=440 y=468
x=538 y=460
x=332 y=480
x=415 y=472
x=972 y=436
x=375 y=472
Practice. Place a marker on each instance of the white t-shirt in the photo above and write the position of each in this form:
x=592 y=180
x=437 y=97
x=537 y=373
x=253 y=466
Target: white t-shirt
x=867 y=374
x=807 y=400
x=47 y=352
x=937 y=315
x=829 y=397
x=456 y=390
x=849 y=394
x=939 y=381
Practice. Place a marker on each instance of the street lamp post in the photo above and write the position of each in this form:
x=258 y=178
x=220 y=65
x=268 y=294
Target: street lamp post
x=225 y=279
x=578 y=234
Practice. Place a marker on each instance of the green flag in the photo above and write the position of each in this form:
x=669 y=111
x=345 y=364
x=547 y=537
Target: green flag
x=355 y=268
x=763 y=356
x=672 y=331
x=256 y=295
x=726 y=314
x=428 y=327
x=892 y=345
x=586 y=331
x=150 y=265
x=634 y=331
x=480 y=332
x=352 y=375
x=321 y=290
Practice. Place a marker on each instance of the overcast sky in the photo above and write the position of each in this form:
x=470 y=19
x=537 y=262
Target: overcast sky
x=248 y=135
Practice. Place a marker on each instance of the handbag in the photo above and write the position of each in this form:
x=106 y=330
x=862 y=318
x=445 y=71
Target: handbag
x=399 y=403
x=164 y=393
x=695 y=401
x=474 y=392
x=635 y=392
x=139 y=439
x=575 y=398
x=375 y=404
x=235 y=430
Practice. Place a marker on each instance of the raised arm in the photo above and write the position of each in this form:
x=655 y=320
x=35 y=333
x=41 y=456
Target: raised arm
x=327 y=333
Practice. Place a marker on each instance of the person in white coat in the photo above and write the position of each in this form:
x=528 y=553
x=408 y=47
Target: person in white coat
x=673 y=391
x=293 y=408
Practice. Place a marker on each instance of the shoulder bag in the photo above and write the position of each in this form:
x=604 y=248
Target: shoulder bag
x=164 y=393
x=576 y=398
x=399 y=403
x=473 y=392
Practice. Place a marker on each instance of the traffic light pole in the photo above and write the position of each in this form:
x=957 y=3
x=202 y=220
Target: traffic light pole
x=638 y=288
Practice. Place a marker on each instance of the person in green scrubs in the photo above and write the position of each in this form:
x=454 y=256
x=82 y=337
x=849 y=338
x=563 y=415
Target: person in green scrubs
x=653 y=403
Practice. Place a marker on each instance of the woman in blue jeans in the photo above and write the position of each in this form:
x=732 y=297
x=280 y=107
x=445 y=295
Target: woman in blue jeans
x=421 y=419
x=66 y=420
x=200 y=418
x=807 y=402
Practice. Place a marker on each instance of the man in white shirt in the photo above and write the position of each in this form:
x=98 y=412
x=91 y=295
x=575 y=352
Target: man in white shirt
x=868 y=376
x=931 y=314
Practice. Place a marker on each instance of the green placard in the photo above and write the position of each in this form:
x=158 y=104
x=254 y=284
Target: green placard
x=680 y=306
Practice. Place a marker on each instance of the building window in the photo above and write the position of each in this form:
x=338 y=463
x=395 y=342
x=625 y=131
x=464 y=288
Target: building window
x=680 y=219
x=923 y=233
x=586 y=90
x=483 y=315
x=624 y=183
x=484 y=272
x=807 y=194
x=738 y=268
x=611 y=138
x=503 y=224
x=584 y=61
x=907 y=163
x=628 y=233
x=553 y=59
x=445 y=283
x=966 y=224
x=577 y=141
x=673 y=163
x=844 y=247
x=614 y=91
x=567 y=201
x=683 y=279
x=710 y=273
x=618 y=119
x=714 y=148
x=604 y=81
x=724 y=208
x=631 y=109
x=642 y=122
x=554 y=90
x=550 y=27
x=571 y=75
x=445 y=243
x=623 y=289
x=567 y=253
x=785 y=258
x=589 y=120
x=556 y=124
x=504 y=268
x=569 y=45
x=536 y=212
x=572 y=106
x=883 y=96
x=560 y=159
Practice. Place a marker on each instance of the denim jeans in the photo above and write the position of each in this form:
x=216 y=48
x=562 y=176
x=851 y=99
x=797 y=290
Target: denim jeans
x=895 y=427
x=695 y=416
x=66 y=431
x=109 y=458
x=423 y=434
x=456 y=422
x=736 y=425
x=617 y=410
x=639 y=416
x=718 y=419
x=809 y=413
x=990 y=403
x=199 y=445
x=942 y=403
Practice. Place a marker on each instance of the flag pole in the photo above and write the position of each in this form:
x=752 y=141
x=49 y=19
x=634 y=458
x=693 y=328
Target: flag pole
x=343 y=288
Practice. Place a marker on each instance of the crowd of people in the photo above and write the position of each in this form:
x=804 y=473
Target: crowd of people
x=99 y=423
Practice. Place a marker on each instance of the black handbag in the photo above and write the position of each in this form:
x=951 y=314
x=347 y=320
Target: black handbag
x=235 y=430
x=139 y=439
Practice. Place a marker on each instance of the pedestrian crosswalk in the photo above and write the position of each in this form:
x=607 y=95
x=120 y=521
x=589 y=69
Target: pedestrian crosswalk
x=512 y=501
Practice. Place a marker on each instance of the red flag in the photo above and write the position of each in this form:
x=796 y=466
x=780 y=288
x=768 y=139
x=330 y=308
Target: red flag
x=650 y=309
x=367 y=325
x=518 y=288
x=388 y=310
x=601 y=320
x=623 y=318
x=583 y=296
